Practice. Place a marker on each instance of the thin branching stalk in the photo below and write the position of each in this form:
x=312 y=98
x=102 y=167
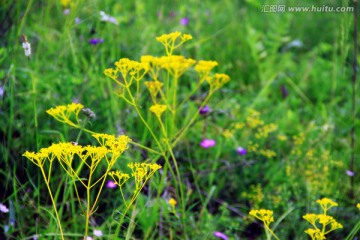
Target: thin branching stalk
x=353 y=102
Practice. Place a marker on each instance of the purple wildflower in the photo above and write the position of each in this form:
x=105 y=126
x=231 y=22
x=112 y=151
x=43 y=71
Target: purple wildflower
x=95 y=41
x=78 y=20
x=221 y=235
x=350 y=173
x=1 y=91
x=171 y=14
x=66 y=11
x=111 y=184
x=207 y=143
x=241 y=151
x=284 y=91
x=184 y=21
x=204 y=110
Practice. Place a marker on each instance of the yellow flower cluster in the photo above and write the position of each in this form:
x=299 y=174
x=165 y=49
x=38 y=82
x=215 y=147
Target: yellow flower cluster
x=142 y=172
x=63 y=113
x=267 y=153
x=239 y=126
x=253 y=120
x=315 y=169
x=299 y=139
x=217 y=81
x=255 y=195
x=89 y=155
x=281 y=137
x=252 y=147
x=173 y=40
x=263 y=132
x=326 y=204
x=315 y=234
x=119 y=177
x=136 y=70
x=176 y=65
x=173 y=65
x=154 y=87
x=264 y=215
x=65 y=3
x=203 y=68
x=325 y=220
x=158 y=109
x=228 y=133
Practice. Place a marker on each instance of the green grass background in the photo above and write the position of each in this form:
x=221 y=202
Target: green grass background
x=251 y=46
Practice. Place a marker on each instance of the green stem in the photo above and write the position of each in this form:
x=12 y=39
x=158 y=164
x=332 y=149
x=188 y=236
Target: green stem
x=184 y=130
x=47 y=181
x=88 y=210
x=271 y=232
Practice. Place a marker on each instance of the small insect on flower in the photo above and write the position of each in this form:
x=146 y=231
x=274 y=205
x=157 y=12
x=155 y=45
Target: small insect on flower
x=26 y=46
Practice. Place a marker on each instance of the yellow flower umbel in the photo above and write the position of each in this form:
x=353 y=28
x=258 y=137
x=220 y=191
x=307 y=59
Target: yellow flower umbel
x=203 y=68
x=64 y=113
x=154 y=88
x=158 y=109
x=266 y=216
x=128 y=68
x=176 y=65
x=74 y=158
x=217 y=81
x=142 y=172
x=317 y=232
x=173 y=40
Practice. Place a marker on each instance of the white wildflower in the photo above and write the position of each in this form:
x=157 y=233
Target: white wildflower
x=3 y=208
x=27 y=48
x=98 y=233
x=108 y=18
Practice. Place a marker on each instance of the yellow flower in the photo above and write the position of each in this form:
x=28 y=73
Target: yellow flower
x=252 y=147
x=142 y=172
x=172 y=202
x=282 y=137
x=326 y=203
x=315 y=234
x=217 y=81
x=358 y=206
x=154 y=64
x=264 y=131
x=158 y=109
x=253 y=120
x=118 y=177
x=203 y=68
x=65 y=3
x=239 y=125
x=154 y=87
x=63 y=113
x=176 y=65
x=299 y=139
x=173 y=40
x=311 y=218
x=227 y=133
x=267 y=153
x=264 y=215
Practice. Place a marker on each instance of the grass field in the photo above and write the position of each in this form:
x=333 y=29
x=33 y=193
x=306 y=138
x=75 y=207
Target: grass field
x=228 y=119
